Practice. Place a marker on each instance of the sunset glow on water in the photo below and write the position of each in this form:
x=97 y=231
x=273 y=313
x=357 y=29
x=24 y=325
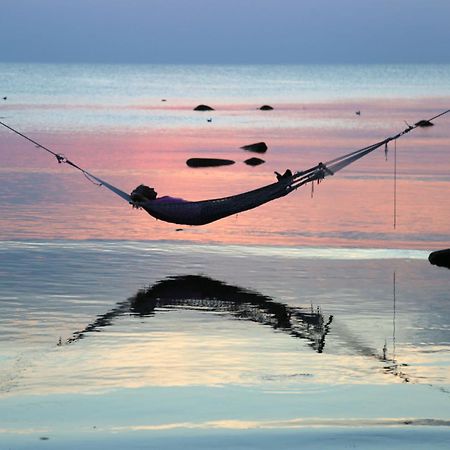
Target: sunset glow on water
x=308 y=311
x=356 y=207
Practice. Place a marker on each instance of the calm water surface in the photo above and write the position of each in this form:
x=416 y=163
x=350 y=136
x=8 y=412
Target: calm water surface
x=186 y=336
x=305 y=312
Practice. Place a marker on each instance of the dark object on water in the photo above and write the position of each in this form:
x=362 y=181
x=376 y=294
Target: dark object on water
x=195 y=292
x=5 y=98
x=266 y=108
x=358 y=113
x=259 y=147
x=203 y=108
x=143 y=193
x=209 y=120
x=424 y=123
x=254 y=161
x=440 y=258
x=208 y=162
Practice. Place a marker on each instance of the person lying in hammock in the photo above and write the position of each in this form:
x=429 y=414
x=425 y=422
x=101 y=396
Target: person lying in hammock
x=145 y=193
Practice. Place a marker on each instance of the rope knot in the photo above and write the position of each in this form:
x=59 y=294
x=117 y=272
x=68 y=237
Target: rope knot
x=60 y=158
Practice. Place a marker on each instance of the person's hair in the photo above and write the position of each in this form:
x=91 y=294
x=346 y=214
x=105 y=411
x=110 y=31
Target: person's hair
x=143 y=193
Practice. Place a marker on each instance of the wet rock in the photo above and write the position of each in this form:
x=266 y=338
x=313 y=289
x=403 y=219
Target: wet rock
x=254 y=161
x=208 y=162
x=203 y=108
x=424 y=123
x=258 y=147
x=440 y=258
x=266 y=108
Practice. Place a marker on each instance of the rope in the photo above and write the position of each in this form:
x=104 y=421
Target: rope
x=393 y=319
x=336 y=164
x=59 y=157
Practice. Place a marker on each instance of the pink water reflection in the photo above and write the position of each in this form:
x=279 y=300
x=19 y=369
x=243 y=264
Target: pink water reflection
x=355 y=208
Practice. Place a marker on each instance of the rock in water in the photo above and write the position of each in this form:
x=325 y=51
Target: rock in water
x=208 y=162
x=424 y=123
x=259 y=147
x=266 y=108
x=254 y=161
x=203 y=108
x=440 y=258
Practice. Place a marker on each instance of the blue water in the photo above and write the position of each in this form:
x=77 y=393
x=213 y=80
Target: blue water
x=83 y=360
x=74 y=96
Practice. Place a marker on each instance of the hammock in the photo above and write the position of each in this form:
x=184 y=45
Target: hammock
x=206 y=211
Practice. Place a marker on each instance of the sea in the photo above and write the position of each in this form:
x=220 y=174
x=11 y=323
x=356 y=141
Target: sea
x=313 y=321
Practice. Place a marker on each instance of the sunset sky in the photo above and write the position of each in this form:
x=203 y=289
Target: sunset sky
x=235 y=31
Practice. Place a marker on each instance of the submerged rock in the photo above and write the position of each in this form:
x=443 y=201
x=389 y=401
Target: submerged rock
x=254 y=161
x=440 y=258
x=266 y=108
x=258 y=147
x=203 y=108
x=208 y=162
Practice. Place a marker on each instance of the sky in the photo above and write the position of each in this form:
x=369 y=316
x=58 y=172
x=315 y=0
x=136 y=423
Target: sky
x=231 y=31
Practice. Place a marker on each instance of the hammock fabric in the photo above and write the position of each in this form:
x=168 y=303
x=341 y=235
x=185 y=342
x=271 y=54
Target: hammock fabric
x=206 y=211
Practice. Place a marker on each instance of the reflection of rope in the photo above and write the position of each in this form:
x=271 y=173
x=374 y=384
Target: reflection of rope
x=393 y=321
x=395 y=183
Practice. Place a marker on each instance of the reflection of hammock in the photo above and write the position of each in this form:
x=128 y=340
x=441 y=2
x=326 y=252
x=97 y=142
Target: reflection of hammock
x=207 y=211
x=197 y=292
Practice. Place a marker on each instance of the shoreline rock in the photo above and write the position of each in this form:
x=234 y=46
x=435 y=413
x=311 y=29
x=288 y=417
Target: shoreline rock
x=203 y=108
x=440 y=258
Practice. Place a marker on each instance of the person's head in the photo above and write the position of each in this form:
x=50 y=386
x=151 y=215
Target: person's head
x=143 y=193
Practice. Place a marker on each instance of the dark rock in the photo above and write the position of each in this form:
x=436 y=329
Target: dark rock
x=440 y=258
x=266 y=108
x=208 y=162
x=254 y=161
x=203 y=108
x=424 y=123
x=259 y=147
